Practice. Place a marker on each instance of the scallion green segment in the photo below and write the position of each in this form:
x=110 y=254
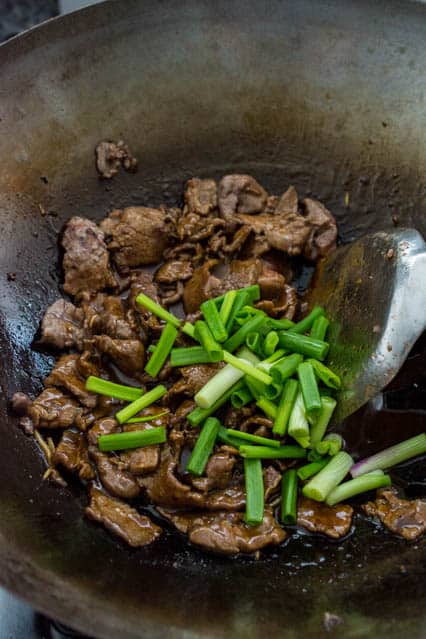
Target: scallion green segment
x=254 y=491
x=189 y=356
x=289 y=497
x=208 y=342
x=309 y=388
x=268 y=407
x=273 y=391
x=391 y=456
x=226 y=306
x=309 y=470
x=224 y=438
x=255 y=343
x=285 y=367
x=254 y=439
x=132 y=439
x=162 y=350
x=298 y=425
x=157 y=310
x=320 y=424
x=325 y=374
x=110 y=389
x=188 y=329
x=139 y=404
x=198 y=415
x=266 y=452
x=244 y=296
x=369 y=481
x=320 y=486
x=306 y=323
x=203 y=447
x=285 y=407
x=147 y=418
x=214 y=321
x=315 y=348
x=239 y=337
x=319 y=328
x=270 y=343
x=241 y=397
x=246 y=367
x=330 y=445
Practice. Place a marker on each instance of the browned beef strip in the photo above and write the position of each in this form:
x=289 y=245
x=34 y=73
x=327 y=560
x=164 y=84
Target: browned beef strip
x=111 y=155
x=173 y=271
x=197 y=375
x=140 y=461
x=102 y=426
x=86 y=259
x=71 y=452
x=53 y=409
x=323 y=235
x=333 y=521
x=138 y=236
x=122 y=520
x=106 y=315
x=62 y=326
x=114 y=478
x=403 y=517
x=201 y=196
x=200 y=287
x=127 y=354
x=240 y=194
x=178 y=417
x=271 y=481
x=218 y=472
x=226 y=532
x=66 y=375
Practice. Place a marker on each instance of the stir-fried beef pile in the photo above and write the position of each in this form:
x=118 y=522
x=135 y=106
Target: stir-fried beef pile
x=227 y=235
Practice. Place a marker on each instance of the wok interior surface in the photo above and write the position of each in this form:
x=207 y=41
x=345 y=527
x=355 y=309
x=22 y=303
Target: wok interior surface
x=325 y=95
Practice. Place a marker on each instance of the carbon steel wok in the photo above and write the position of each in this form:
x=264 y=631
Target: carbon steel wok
x=325 y=94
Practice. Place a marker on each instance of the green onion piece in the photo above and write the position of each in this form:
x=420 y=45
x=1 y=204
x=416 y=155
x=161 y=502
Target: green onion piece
x=208 y=342
x=330 y=445
x=157 y=310
x=314 y=456
x=203 y=447
x=132 y=439
x=198 y=415
x=289 y=497
x=256 y=388
x=189 y=356
x=273 y=391
x=326 y=375
x=241 y=397
x=238 y=338
x=270 y=343
x=255 y=343
x=280 y=325
x=319 y=328
x=255 y=439
x=247 y=313
x=244 y=296
x=224 y=438
x=162 y=350
x=252 y=293
x=247 y=368
x=226 y=307
x=188 y=329
x=304 y=345
x=309 y=388
x=139 y=404
x=285 y=367
x=306 y=323
x=265 y=452
x=392 y=455
x=369 y=481
x=309 y=470
x=214 y=321
x=319 y=426
x=254 y=491
x=147 y=418
x=151 y=348
x=118 y=391
x=298 y=426
x=273 y=358
x=285 y=407
x=269 y=408
x=320 y=486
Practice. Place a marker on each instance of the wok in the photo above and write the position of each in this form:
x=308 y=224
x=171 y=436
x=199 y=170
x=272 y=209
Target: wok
x=325 y=94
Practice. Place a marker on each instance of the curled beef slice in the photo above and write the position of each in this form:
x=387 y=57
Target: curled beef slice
x=271 y=481
x=86 y=259
x=66 y=375
x=226 y=532
x=200 y=196
x=62 y=326
x=240 y=194
x=53 y=409
x=403 y=517
x=140 y=461
x=110 y=156
x=333 y=521
x=218 y=472
x=106 y=315
x=138 y=236
x=323 y=230
x=202 y=286
x=174 y=271
x=127 y=354
x=71 y=452
x=121 y=520
x=113 y=476
x=102 y=426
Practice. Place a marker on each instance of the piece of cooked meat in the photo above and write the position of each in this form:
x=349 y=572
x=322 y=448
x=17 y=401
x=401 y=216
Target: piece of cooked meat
x=62 y=326
x=114 y=477
x=71 y=452
x=66 y=375
x=122 y=520
x=218 y=472
x=200 y=196
x=106 y=315
x=240 y=194
x=110 y=156
x=86 y=259
x=173 y=271
x=140 y=461
x=53 y=409
x=333 y=521
x=138 y=236
x=403 y=517
x=323 y=235
x=102 y=426
x=226 y=532
x=127 y=354
x=271 y=481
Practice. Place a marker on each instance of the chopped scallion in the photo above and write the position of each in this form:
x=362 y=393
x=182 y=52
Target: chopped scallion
x=319 y=426
x=289 y=497
x=311 y=469
x=304 y=345
x=214 y=321
x=157 y=310
x=306 y=323
x=369 y=481
x=139 y=404
x=254 y=491
x=309 y=388
x=285 y=407
x=320 y=486
x=203 y=447
x=189 y=356
x=319 y=328
x=391 y=456
x=265 y=452
x=254 y=439
x=162 y=350
x=298 y=425
x=110 y=389
x=132 y=439
x=208 y=342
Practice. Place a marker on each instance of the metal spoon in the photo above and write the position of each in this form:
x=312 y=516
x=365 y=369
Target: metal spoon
x=374 y=293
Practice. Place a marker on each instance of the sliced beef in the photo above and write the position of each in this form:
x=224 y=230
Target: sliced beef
x=62 y=326
x=201 y=287
x=66 y=375
x=142 y=282
x=403 y=517
x=127 y=354
x=114 y=477
x=271 y=481
x=201 y=196
x=122 y=520
x=178 y=417
x=71 y=452
x=197 y=375
x=333 y=521
x=106 y=315
x=218 y=472
x=174 y=271
x=323 y=233
x=140 y=461
x=138 y=236
x=110 y=156
x=240 y=194
x=86 y=259
x=226 y=532
x=53 y=409
x=102 y=426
